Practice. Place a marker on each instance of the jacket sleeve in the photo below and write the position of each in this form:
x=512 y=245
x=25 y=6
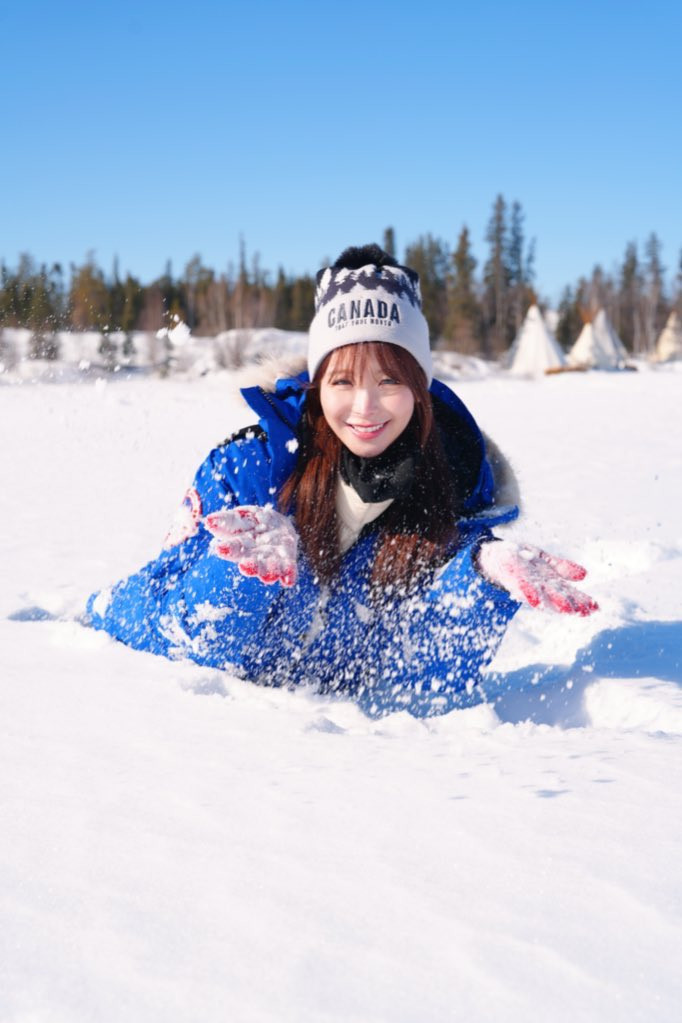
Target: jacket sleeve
x=176 y=603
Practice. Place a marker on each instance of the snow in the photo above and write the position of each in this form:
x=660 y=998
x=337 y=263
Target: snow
x=82 y=351
x=179 y=334
x=177 y=844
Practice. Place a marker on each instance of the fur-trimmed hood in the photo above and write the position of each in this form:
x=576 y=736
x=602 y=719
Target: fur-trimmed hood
x=506 y=481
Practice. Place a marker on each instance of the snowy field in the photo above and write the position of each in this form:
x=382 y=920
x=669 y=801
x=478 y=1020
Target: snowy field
x=178 y=845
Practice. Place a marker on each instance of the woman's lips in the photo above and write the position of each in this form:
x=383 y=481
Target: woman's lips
x=366 y=430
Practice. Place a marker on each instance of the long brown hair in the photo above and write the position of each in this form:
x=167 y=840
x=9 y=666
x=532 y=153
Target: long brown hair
x=415 y=531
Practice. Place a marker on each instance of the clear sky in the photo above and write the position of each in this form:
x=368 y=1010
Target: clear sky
x=153 y=131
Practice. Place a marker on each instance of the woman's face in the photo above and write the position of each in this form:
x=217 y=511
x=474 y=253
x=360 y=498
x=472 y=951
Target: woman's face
x=365 y=408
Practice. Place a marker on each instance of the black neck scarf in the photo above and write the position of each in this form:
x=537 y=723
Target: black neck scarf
x=388 y=475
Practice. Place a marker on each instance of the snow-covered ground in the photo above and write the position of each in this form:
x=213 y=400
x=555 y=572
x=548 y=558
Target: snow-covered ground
x=178 y=845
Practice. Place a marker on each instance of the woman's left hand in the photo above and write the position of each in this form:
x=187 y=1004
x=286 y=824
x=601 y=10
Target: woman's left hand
x=535 y=577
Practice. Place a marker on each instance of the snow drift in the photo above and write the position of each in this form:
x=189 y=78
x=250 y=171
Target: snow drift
x=177 y=844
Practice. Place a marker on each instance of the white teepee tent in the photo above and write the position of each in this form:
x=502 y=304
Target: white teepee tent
x=669 y=344
x=535 y=349
x=598 y=346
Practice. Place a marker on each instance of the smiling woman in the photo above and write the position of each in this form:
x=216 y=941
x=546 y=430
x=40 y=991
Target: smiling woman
x=346 y=540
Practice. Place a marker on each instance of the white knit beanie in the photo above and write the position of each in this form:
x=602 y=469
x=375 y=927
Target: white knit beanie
x=372 y=303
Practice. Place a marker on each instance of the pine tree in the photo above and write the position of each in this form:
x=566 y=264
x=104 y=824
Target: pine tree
x=302 y=303
x=194 y=272
x=389 y=242
x=570 y=319
x=240 y=290
x=628 y=318
x=261 y=296
x=126 y=304
x=7 y=297
x=282 y=301
x=18 y=288
x=520 y=268
x=464 y=312
x=430 y=257
x=499 y=330
x=89 y=297
x=205 y=298
x=174 y=308
x=654 y=299
x=41 y=318
x=601 y=293
x=31 y=296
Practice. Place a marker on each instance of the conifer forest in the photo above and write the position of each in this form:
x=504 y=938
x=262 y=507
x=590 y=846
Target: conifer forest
x=473 y=307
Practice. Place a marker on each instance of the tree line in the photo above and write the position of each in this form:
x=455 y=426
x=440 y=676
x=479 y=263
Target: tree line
x=471 y=310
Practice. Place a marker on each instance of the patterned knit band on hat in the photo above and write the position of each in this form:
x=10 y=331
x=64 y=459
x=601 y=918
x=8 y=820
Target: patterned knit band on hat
x=371 y=303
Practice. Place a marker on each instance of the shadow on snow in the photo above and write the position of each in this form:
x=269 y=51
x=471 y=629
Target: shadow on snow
x=553 y=694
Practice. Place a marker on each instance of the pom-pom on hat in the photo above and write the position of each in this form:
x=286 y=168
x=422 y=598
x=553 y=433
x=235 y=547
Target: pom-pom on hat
x=366 y=296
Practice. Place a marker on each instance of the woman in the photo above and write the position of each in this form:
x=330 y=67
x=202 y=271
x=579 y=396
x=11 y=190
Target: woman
x=345 y=541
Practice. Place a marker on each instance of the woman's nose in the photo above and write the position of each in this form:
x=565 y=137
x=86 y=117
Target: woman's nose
x=365 y=399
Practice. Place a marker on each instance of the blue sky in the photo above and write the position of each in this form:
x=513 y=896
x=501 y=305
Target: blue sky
x=155 y=131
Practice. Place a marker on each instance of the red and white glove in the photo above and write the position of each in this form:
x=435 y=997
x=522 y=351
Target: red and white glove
x=536 y=577
x=262 y=542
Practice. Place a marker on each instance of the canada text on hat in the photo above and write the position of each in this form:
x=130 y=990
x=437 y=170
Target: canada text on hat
x=372 y=303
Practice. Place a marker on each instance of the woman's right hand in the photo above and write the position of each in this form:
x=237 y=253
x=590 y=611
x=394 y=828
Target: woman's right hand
x=261 y=541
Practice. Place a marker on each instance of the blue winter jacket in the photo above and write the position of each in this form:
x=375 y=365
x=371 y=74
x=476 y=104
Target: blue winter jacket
x=424 y=652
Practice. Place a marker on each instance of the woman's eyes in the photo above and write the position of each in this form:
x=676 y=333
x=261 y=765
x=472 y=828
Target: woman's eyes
x=349 y=382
